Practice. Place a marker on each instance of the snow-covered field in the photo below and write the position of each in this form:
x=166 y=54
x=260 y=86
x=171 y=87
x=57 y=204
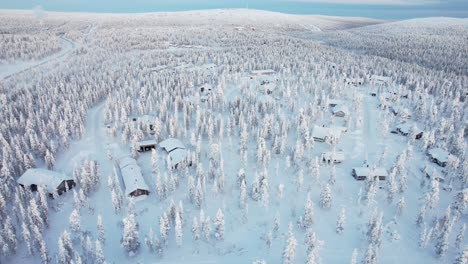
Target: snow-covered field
x=255 y=98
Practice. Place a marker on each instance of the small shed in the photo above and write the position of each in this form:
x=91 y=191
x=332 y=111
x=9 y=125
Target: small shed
x=362 y=173
x=439 y=156
x=340 y=110
x=53 y=182
x=333 y=157
x=406 y=128
x=133 y=180
x=147 y=145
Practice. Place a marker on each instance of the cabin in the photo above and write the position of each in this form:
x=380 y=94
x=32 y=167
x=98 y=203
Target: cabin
x=401 y=111
x=133 y=180
x=405 y=129
x=362 y=173
x=354 y=81
x=377 y=80
x=205 y=91
x=432 y=173
x=147 y=145
x=439 y=156
x=52 y=181
x=340 y=110
x=257 y=73
x=176 y=151
x=321 y=134
x=333 y=157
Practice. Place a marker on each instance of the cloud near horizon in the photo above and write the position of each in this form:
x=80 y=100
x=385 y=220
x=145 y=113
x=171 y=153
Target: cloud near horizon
x=372 y=2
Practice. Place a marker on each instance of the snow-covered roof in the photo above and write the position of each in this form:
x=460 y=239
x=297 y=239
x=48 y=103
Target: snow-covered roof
x=365 y=171
x=406 y=128
x=320 y=132
x=337 y=155
x=433 y=173
x=340 y=108
x=380 y=78
x=323 y=132
x=439 y=154
x=178 y=155
x=131 y=175
x=50 y=179
x=263 y=72
x=150 y=142
x=171 y=143
x=146 y=119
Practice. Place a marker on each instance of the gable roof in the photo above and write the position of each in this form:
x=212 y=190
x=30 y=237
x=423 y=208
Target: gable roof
x=178 y=155
x=171 y=143
x=439 y=154
x=131 y=175
x=365 y=171
x=49 y=179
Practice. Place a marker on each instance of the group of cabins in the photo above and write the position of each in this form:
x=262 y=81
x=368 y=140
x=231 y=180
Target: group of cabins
x=130 y=171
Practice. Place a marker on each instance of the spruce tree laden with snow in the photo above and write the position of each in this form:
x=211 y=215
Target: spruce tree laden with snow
x=289 y=251
x=341 y=221
x=219 y=225
x=325 y=197
x=130 y=237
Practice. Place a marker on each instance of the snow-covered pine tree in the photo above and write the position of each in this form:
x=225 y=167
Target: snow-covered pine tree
x=195 y=229
x=65 y=249
x=130 y=237
x=341 y=221
x=325 y=197
x=460 y=237
x=178 y=229
x=164 y=227
x=308 y=212
x=219 y=225
x=75 y=221
x=289 y=252
x=99 y=257
x=100 y=228
x=462 y=257
x=206 y=228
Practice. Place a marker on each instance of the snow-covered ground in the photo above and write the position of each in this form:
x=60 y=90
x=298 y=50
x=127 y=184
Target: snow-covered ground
x=84 y=111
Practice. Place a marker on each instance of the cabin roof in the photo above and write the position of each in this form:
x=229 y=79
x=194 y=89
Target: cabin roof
x=50 y=179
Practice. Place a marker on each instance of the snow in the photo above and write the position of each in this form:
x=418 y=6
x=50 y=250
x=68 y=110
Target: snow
x=50 y=179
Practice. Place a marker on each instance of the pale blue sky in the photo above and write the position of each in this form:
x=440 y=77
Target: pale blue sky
x=385 y=9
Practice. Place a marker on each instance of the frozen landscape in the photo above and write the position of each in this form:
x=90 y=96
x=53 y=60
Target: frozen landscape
x=232 y=136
